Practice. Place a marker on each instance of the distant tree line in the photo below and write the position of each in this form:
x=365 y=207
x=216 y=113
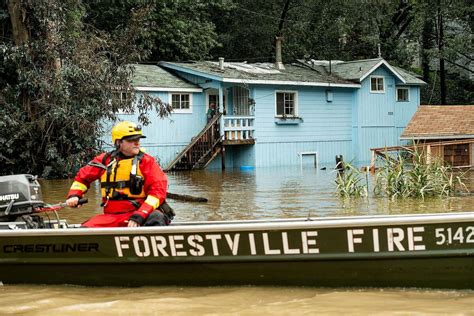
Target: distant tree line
x=64 y=64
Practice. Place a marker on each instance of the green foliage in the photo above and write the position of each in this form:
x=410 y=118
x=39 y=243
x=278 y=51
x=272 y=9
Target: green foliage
x=453 y=46
x=402 y=178
x=59 y=84
x=349 y=183
x=175 y=29
x=314 y=29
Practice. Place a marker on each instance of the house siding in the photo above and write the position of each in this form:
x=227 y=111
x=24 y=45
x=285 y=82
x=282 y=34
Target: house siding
x=380 y=118
x=166 y=137
x=325 y=126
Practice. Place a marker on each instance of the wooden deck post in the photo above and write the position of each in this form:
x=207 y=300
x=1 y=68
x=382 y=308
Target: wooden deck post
x=428 y=154
x=372 y=161
x=223 y=156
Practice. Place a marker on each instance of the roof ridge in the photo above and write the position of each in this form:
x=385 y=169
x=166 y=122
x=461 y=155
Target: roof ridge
x=359 y=60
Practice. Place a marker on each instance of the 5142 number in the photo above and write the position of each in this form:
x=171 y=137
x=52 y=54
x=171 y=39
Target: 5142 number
x=449 y=235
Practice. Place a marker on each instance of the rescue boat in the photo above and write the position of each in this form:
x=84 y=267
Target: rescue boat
x=417 y=250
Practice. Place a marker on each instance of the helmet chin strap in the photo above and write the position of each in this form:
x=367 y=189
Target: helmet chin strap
x=116 y=150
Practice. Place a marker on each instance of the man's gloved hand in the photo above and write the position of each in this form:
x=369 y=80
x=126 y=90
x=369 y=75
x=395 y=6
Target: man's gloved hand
x=132 y=223
x=166 y=209
x=73 y=201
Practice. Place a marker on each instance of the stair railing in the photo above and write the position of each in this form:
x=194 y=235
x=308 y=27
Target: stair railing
x=201 y=148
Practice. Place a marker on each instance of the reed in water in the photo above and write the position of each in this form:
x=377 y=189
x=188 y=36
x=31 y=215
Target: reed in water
x=409 y=175
x=349 y=182
x=404 y=175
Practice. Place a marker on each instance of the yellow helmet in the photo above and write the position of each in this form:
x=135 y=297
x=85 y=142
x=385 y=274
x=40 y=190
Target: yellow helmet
x=126 y=129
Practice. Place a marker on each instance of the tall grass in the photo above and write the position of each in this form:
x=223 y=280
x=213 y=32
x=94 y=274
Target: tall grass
x=413 y=177
x=349 y=183
x=402 y=176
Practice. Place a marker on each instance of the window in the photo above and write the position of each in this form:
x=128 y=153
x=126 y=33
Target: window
x=377 y=84
x=286 y=104
x=181 y=102
x=403 y=95
x=120 y=97
x=241 y=101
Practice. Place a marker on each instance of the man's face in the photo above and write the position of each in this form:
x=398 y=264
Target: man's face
x=130 y=147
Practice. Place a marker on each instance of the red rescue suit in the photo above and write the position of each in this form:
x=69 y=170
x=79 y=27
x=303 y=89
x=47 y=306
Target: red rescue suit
x=120 y=200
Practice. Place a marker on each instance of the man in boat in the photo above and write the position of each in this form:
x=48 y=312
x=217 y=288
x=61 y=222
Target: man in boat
x=133 y=185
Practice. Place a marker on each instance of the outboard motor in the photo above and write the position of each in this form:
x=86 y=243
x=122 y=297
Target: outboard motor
x=20 y=195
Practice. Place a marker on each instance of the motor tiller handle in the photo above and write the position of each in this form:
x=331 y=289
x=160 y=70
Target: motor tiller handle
x=57 y=207
x=80 y=202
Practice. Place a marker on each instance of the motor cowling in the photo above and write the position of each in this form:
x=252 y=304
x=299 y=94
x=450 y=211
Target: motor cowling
x=19 y=195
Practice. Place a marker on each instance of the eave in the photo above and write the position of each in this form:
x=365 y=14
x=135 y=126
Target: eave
x=382 y=62
x=164 y=89
x=422 y=137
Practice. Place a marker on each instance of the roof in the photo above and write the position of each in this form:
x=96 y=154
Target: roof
x=155 y=78
x=354 y=70
x=315 y=73
x=358 y=70
x=409 y=77
x=261 y=73
x=441 y=122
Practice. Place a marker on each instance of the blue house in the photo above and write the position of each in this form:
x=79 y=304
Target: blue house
x=274 y=114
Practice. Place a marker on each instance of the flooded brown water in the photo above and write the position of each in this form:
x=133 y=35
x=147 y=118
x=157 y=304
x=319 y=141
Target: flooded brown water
x=235 y=194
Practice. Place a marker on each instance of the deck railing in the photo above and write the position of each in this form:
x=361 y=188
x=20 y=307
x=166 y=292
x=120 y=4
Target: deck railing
x=239 y=127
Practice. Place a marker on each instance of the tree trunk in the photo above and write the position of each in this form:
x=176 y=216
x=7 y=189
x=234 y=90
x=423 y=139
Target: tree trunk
x=20 y=37
x=283 y=18
x=17 y=18
x=442 y=74
x=426 y=45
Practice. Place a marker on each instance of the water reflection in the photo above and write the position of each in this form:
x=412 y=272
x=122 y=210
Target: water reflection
x=265 y=193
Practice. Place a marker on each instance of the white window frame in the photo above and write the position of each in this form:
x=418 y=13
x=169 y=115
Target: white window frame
x=295 y=103
x=408 y=94
x=383 y=84
x=181 y=111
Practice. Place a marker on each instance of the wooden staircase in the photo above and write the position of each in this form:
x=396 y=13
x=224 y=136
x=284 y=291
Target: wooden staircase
x=202 y=149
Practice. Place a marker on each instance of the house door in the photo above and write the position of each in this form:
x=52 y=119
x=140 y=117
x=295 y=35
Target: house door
x=457 y=155
x=213 y=97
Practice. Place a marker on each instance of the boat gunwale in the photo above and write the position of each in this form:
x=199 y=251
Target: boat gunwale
x=254 y=225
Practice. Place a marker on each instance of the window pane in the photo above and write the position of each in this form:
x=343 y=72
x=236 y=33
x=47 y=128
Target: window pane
x=180 y=101
x=376 y=84
x=380 y=84
x=402 y=94
x=373 y=84
x=285 y=103
x=280 y=103
x=175 y=101
x=185 y=101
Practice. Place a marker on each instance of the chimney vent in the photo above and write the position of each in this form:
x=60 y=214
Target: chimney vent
x=221 y=63
x=278 y=59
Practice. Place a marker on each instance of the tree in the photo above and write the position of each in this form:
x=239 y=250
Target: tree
x=316 y=29
x=445 y=29
x=179 y=29
x=60 y=79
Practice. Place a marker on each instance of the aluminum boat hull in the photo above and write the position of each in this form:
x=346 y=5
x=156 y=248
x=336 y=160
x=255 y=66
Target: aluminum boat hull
x=426 y=251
